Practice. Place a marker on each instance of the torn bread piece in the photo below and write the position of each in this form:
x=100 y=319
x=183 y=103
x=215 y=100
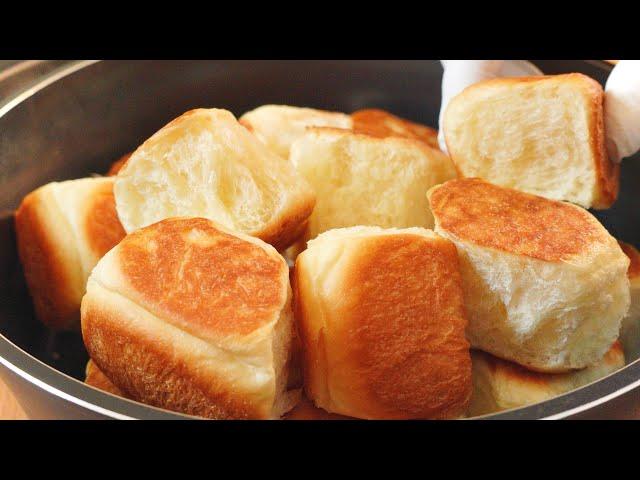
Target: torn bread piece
x=381 y=319
x=545 y=284
x=541 y=135
x=62 y=230
x=364 y=180
x=189 y=316
x=205 y=164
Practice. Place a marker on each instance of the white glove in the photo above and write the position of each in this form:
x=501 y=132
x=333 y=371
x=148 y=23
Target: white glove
x=622 y=110
x=459 y=74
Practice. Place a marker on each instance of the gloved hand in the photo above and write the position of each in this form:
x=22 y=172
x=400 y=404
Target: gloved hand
x=622 y=96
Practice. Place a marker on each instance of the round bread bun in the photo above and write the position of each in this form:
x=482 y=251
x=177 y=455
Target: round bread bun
x=545 y=284
x=542 y=135
x=191 y=317
x=382 y=124
x=205 y=164
x=381 y=319
x=62 y=230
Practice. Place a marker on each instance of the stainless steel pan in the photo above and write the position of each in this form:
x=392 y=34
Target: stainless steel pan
x=62 y=120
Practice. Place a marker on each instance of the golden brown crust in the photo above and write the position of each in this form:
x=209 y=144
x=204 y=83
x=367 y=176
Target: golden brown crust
x=382 y=124
x=118 y=164
x=512 y=221
x=202 y=280
x=101 y=224
x=607 y=171
x=95 y=378
x=393 y=344
x=634 y=256
x=51 y=279
x=146 y=368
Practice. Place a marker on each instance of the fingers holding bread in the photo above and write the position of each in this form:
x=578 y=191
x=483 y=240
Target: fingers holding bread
x=205 y=164
x=62 y=230
x=381 y=320
x=545 y=284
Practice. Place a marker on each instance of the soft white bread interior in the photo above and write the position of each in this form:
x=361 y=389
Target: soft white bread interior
x=278 y=126
x=630 y=330
x=97 y=379
x=364 y=180
x=501 y=385
x=188 y=316
x=62 y=230
x=542 y=135
x=382 y=124
x=205 y=164
x=381 y=320
x=545 y=284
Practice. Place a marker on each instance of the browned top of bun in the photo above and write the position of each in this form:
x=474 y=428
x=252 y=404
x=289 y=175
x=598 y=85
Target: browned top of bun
x=512 y=221
x=99 y=380
x=382 y=124
x=633 y=254
x=201 y=279
x=118 y=164
x=102 y=225
x=407 y=283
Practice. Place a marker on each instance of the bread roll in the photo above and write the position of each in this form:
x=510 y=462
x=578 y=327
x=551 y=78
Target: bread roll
x=95 y=378
x=188 y=316
x=278 y=126
x=501 y=385
x=365 y=180
x=118 y=164
x=62 y=230
x=545 y=284
x=381 y=319
x=542 y=135
x=630 y=330
x=382 y=124
x=205 y=164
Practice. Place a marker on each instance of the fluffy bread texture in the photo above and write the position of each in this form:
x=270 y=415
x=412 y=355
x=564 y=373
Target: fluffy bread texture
x=382 y=124
x=381 y=319
x=502 y=385
x=205 y=164
x=62 y=230
x=364 y=180
x=630 y=330
x=278 y=126
x=117 y=165
x=541 y=135
x=545 y=284
x=97 y=379
x=188 y=316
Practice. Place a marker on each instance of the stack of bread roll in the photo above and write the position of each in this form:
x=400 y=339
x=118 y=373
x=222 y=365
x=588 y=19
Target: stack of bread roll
x=422 y=285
